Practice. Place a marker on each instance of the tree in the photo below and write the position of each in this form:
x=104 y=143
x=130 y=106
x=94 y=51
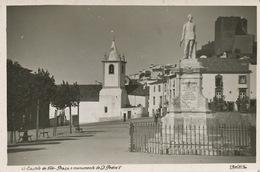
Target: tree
x=59 y=103
x=43 y=89
x=73 y=99
x=66 y=96
x=17 y=95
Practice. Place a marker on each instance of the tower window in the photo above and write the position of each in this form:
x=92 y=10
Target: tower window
x=105 y=109
x=111 y=69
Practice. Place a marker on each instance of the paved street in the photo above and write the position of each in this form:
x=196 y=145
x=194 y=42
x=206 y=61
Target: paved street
x=102 y=143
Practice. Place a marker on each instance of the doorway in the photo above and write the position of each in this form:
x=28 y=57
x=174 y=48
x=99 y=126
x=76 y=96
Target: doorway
x=124 y=117
x=128 y=114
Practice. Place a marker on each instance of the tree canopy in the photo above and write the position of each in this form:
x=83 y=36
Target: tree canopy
x=24 y=88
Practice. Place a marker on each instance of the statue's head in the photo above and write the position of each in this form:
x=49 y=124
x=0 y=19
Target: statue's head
x=190 y=17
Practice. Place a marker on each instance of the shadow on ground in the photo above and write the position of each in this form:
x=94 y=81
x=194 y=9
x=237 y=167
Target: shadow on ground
x=93 y=131
x=24 y=150
x=41 y=142
x=33 y=143
x=82 y=136
x=49 y=141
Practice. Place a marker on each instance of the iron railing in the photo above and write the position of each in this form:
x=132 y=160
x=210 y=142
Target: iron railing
x=224 y=140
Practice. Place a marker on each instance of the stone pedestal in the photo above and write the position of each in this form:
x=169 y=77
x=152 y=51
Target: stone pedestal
x=190 y=107
x=189 y=88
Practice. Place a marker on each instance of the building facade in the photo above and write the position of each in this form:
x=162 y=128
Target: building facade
x=157 y=96
x=224 y=78
x=113 y=100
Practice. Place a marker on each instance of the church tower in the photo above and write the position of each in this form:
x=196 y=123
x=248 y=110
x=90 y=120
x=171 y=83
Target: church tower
x=113 y=95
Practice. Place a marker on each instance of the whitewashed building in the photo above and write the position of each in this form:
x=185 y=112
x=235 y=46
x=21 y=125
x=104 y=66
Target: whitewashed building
x=113 y=100
x=157 y=96
x=230 y=78
x=223 y=77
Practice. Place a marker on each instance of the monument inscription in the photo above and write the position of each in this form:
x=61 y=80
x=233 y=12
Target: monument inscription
x=189 y=89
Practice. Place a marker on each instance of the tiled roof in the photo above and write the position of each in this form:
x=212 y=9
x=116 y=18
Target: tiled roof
x=224 y=65
x=91 y=92
x=160 y=81
x=136 y=90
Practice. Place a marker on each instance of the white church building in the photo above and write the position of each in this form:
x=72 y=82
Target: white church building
x=113 y=100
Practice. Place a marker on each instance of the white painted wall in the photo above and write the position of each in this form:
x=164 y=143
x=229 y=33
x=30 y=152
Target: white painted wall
x=114 y=99
x=111 y=80
x=208 y=86
x=230 y=85
x=88 y=112
x=136 y=100
x=136 y=112
x=252 y=93
x=156 y=93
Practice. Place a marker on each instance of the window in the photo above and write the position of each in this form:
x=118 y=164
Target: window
x=219 y=81
x=105 y=109
x=242 y=92
x=160 y=101
x=242 y=79
x=153 y=100
x=111 y=69
x=173 y=92
x=154 y=88
x=159 y=88
x=219 y=93
x=170 y=94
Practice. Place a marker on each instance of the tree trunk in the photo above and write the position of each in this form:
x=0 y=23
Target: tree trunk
x=55 y=123
x=78 y=115
x=37 y=119
x=70 y=121
x=14 y=127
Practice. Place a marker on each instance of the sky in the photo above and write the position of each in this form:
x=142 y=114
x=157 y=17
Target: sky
x=70 y=41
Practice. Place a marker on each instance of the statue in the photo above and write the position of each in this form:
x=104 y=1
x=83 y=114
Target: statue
x=189 y=37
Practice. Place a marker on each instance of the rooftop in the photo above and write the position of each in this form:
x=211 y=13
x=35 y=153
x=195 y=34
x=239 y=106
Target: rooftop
x=159 y=81
x=91 y=92
x=225 y=65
